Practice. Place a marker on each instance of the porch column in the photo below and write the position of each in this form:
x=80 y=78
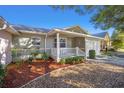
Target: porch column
x=45 y=42
x=76 y=51
x=85 y=48
x=58 y=47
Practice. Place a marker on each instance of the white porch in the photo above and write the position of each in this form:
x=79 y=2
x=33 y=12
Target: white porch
x=60 y=50
x=80 y=44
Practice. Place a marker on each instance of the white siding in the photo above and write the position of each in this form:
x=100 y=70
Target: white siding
x=92 y=44
x=50 y=42
x=69 y=42
x=5 y=47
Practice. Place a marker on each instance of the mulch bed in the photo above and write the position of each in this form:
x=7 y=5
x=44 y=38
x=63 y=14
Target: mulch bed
x=18 y=76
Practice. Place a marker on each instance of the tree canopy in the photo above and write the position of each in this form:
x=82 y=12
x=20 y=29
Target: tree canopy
x=118 y=39
x=103 y=16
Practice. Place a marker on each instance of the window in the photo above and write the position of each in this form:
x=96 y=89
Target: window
x=62 y=42
x=36 y=41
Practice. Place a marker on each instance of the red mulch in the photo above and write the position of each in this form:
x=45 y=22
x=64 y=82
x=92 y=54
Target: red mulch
x=18 y=76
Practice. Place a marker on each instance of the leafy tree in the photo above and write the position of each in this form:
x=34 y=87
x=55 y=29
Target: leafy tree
x=117 y=43
x=103 y=16
x=118 y=39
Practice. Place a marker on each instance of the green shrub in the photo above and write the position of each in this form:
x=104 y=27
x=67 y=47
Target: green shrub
x=62 y=61
x=69 y=60
x=92 y=54
x=2 y=75
x=30 y=59
x=45 y=56
x=72 y=60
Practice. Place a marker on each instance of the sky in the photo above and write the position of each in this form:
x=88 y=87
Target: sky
x=47 y=17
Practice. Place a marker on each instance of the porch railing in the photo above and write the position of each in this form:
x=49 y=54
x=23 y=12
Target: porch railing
x=24 y=54
x=67 y=52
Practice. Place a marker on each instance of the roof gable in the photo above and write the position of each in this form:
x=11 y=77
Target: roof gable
x=102 y=34
x=76 y=29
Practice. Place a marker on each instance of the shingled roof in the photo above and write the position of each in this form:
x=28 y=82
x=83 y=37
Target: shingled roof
x=102 y=34
x=28 y=28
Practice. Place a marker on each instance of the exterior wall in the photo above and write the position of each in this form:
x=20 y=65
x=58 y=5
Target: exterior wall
x=5 y=47
x=27 y=39
x=24 y=41
x=69 y=42
x=92 y=44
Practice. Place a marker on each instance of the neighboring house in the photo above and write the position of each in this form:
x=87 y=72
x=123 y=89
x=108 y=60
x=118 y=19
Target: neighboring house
x=58 y=43
x=106 y=42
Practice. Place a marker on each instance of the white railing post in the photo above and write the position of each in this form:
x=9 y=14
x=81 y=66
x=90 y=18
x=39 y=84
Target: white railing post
x=76 y=51
x=58 y=47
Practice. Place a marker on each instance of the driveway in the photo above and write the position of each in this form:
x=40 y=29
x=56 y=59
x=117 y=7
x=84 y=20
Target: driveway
x=117 y=59
x=84 y=75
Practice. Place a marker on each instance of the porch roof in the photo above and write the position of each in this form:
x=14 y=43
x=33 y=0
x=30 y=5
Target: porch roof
x=71 y=34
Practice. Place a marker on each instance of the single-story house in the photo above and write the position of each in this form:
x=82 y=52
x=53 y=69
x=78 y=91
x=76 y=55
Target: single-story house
x=59 y=43
x=106 y=42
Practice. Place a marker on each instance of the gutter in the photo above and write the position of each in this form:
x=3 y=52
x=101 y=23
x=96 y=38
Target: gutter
x=80 y=34
x=33 y=32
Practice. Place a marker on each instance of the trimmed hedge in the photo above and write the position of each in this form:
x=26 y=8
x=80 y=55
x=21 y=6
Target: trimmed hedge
x=72 y=60
x=92 y=54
